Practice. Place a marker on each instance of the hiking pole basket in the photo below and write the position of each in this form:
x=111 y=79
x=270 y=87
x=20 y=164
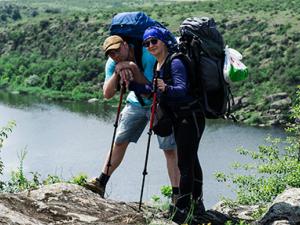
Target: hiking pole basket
x=122 y=92
x=153 y=109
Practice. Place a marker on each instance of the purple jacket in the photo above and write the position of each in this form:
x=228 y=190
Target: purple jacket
x=176 y=93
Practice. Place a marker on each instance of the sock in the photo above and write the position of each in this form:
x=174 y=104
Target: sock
x=103 y=179
x=175 y=190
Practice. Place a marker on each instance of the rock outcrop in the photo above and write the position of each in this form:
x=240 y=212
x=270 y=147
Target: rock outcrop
x=272 y=111
x=65 y=204
x=284 y=210
x=71 y=204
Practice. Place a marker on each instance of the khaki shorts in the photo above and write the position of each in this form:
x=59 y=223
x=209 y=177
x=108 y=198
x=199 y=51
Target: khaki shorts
x=132 y=122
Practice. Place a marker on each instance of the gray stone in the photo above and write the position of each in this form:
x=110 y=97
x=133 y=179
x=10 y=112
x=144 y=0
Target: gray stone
x=245 y=102
x=92 y=100
x=277 y=96
x=281 y=222
x=237 y=103
x=15 y=92
x=33 y=80
x=65 y=204
x=243 y=212
x=281 y=104
x=285 y=207
x=284 y=210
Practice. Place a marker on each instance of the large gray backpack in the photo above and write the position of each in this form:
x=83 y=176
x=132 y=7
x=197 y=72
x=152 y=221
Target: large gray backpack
x=201 y=47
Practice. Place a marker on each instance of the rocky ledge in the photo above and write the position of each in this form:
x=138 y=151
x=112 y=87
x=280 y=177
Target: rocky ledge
x=274 y=110
x=71 y=204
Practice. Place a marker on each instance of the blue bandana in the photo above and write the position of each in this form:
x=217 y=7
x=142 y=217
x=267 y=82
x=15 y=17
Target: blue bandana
x=160 y=33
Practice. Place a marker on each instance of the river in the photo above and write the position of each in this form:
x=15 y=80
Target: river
x=67 y=138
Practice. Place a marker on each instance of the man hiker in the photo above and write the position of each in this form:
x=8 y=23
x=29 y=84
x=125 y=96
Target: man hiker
x=134 y=117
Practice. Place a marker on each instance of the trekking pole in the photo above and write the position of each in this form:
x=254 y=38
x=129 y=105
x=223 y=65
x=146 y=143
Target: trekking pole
x=122 y=91
x=153 y=108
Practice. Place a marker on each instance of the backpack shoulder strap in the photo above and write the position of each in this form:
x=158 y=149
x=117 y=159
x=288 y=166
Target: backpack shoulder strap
x=185 y=60
x=168 y=62
x=138 y=49
x=138 y=55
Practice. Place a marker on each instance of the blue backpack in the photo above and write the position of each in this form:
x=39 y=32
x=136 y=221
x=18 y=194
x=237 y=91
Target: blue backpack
x=131 y=26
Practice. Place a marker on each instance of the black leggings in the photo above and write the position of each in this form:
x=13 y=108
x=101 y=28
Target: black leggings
x=188 y=130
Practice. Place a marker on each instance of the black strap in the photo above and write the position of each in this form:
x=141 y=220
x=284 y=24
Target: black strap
x=167 y=67
x=138 y=54
x=228 y=114
x=140 y=99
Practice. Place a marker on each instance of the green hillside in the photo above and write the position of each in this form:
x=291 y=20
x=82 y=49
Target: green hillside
x=53 y=48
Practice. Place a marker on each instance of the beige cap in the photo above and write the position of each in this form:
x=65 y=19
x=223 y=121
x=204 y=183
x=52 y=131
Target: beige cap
x=112 y=42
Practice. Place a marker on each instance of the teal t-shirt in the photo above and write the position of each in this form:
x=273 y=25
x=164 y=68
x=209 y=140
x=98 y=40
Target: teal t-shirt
x=148 y=62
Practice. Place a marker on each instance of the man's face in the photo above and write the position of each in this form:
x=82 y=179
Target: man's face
x=120 y=54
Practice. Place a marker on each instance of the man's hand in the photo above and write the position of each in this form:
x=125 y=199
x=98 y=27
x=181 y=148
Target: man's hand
x=126 y=76
x=124 y=65
x=137 y=75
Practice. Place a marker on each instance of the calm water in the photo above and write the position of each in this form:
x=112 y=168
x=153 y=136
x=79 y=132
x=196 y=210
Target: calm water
x=68 y=138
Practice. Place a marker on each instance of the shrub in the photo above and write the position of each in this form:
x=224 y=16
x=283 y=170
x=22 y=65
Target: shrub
x=275 y=167
x=79 y=179
x=4 y=131
x=16 y=15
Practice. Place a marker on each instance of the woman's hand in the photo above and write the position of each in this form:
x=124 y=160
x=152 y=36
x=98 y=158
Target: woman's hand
x=161 y=85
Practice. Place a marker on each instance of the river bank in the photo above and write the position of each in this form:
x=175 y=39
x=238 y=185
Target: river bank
x=274 y=110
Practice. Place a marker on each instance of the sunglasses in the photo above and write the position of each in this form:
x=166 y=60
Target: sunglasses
x=153 y=41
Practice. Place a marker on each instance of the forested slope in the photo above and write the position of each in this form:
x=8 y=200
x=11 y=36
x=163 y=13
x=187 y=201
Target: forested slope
x=54 y=49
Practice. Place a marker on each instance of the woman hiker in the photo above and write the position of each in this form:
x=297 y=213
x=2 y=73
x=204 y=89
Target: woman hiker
x=187 y=120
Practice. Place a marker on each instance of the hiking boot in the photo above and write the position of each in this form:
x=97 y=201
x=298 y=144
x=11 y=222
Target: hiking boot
x=205 y=219
x=180 y=215
x=174 y=198
x=171 y=211
x=199 y=207
x=95 y=186
x=199 y=210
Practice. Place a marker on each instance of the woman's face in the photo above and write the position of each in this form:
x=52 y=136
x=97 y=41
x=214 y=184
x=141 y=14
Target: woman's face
x=155 y=46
